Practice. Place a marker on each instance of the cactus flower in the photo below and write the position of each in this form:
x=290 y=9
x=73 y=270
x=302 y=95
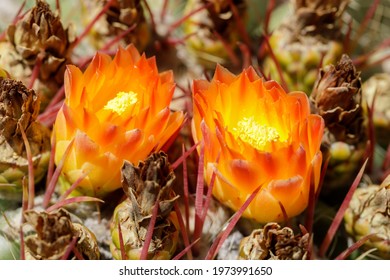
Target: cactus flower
x=257 y=135
x=117 y=110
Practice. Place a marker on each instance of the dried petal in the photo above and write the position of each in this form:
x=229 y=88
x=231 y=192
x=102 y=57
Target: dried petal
x=53 y=235
x=274 y=243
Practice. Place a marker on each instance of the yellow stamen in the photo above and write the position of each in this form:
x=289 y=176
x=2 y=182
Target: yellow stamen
x=255 y=134
x=122 y=102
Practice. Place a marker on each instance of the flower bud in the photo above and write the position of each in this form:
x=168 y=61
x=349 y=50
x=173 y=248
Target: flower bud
x=337 y=97
x=274 y=243
x=120 y=16
x=38 y=38
x=215 y=28
x=19 y=108
x=144 y=185
x=53 y=235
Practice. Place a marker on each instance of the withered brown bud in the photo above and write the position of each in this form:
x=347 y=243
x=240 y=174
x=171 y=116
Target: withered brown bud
x=40 y=30
x=369 y=213
x=125 y=13
x=145 y=185
x=318 y=17
x=222 y=17
x=19 y=108
x=337 y=96
x=120 y=16
x=274 y=243
x=53 y=235
x=38 y=38
x=151 y=180
x=210 y=25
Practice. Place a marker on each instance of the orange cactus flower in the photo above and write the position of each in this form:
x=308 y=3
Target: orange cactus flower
x=118 y=109
x=256 y=135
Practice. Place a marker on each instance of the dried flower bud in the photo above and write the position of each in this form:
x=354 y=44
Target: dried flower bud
x=144 y=185
x=38 y=38
x=19 y=108
x=120 y=16
x=309 y=37
x=39 y=30
x=274 y=243
x=319 y=17
x=337 y=97
x=54 y=233
x=221 y=14
x=215 y=28
x=378 y=87
x=368 y=213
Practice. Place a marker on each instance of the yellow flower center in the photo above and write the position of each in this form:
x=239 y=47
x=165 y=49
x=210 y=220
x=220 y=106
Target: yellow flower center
x=254 y=133
x=122 y=102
